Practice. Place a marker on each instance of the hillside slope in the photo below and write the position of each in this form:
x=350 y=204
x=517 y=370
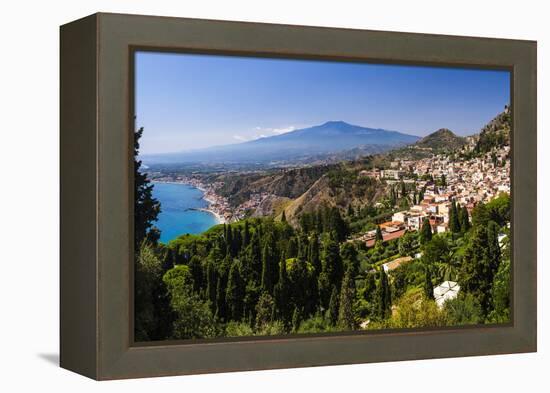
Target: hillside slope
x=442 y=139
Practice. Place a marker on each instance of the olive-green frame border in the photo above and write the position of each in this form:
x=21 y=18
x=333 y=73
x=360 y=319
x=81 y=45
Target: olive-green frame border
x=96 y=201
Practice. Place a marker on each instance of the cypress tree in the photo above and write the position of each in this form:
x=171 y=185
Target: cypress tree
x=283 y=217
x=296 y=319
x=146 y=208
x=267 y=278
x=425 y=231
x=476 y=273
x=246 y=234
x=234 y=293
x=349 y=258
x=370 y=287
x=338 y=225
x=428 y=286
x=384 y=296
x=230 y=245
x=292 y=248
x=464 y=220
x=255 y=257
x=281 y=291
x=454 y=223
x=379 y=236
x=346 y=318
x=313 y=253
x=333 y=306
x=220 y=299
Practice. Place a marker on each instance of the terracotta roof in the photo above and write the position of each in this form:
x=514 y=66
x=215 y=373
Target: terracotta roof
x=387 y=236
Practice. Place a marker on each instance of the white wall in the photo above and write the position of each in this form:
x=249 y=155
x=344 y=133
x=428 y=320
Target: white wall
x=29 y=192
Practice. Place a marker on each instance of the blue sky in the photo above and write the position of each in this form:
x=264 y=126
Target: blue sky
x=194 y=101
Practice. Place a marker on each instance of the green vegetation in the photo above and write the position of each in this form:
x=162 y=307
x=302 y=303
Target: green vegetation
x=299 y=272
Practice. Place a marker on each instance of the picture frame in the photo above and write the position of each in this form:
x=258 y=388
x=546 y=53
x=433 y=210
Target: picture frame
x=96 y=274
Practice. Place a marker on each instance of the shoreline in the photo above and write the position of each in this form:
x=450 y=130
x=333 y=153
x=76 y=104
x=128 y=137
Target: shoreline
x=217 y=216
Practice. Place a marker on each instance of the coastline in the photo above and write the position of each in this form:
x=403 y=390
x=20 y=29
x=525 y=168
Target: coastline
x=220 y=219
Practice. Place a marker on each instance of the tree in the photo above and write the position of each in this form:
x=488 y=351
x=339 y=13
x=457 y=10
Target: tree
x=246 y=234
x=349 y=258
x=476 y=271
x=333 y=308
x=480 y=215
x=283 y=216
x=314 y=253
x=234 y=293
x=378 y=236
x=500 y=294
x=384 y=296
x=406 y=244
x=194 y=317
x=154 y=315
x=296 y=319
x=346 y=316
x=338 y=225
x=281 y=292
x=413 y=310
x=454 y=221
x=264 y=310
x=428 y=285
x=267 y=269
x=499 y=209
x=463 y=310
x=464 y=220
x=332 y=269
x=146 y=208
x=425 y=231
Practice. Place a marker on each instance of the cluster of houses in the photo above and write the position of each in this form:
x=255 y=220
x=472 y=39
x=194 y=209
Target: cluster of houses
x=467 y=182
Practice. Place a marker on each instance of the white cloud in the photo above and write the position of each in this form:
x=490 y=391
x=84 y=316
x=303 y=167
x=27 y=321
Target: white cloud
x=240 y=138
x=283 y=130
x=277 y=131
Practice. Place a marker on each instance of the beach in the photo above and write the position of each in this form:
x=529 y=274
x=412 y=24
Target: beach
x=185 y=209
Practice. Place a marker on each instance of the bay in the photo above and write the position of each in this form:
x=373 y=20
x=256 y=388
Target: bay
x=178 y=216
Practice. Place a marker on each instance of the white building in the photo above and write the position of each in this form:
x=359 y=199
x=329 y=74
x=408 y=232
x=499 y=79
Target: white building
x=446 y=291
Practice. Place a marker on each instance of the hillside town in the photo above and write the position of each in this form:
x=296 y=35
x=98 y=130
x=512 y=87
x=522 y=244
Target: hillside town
x=442 y=180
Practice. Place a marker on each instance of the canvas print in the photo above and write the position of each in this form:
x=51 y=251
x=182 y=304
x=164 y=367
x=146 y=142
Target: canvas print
x=286 y=196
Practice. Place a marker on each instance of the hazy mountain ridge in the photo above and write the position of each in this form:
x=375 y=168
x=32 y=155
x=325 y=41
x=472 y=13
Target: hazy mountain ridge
x=308 y=144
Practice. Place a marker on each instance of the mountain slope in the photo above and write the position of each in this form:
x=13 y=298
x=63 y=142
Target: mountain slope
x=314 y=142
x=496 y=133
x=442 y=139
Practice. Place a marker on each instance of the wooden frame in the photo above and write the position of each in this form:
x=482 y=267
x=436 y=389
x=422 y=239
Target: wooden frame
x=97 y=200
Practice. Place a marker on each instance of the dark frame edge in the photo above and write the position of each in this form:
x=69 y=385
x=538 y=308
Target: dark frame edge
x=78 y=197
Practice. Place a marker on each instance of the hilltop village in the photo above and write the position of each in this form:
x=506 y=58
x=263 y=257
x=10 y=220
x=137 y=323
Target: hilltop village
x=438 y=181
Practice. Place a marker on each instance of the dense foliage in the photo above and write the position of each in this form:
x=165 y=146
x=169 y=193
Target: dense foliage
x=261 y=276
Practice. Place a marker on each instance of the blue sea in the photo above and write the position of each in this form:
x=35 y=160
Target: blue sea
x=177 y=217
